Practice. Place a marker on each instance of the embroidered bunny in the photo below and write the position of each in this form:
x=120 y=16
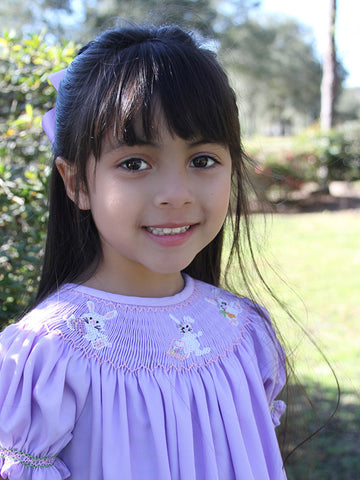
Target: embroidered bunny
x=91 y=326
x=229 y=310
x=181 y=348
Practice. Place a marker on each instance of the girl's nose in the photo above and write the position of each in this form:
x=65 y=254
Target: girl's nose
x=174 y=190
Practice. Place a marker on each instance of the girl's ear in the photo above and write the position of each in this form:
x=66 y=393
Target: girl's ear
x=68 y=174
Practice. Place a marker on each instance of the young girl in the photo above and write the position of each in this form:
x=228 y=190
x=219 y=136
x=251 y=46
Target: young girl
x=134 y=364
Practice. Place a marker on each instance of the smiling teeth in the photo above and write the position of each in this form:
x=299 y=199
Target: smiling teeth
x=167 y=231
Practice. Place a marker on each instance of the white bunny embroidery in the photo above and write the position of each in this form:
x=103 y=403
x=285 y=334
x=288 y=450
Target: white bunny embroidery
x=229 y=310
x=181 y=348
x=91 y=326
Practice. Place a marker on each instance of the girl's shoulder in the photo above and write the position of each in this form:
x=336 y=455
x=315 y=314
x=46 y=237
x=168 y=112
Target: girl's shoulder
x=246 y=320
x=43 y=382
x=45 y=324
x=237 y=309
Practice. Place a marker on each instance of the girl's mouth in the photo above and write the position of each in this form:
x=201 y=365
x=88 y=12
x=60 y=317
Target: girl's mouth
x=167 y=230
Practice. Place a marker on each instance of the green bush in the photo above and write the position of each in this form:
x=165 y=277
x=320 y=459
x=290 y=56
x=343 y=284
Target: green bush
x=25 y=95
x=282 y=166
x=337 y=152
x=285 y=164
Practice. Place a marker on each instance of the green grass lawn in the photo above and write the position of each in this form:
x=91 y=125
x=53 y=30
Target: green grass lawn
x=317 y=257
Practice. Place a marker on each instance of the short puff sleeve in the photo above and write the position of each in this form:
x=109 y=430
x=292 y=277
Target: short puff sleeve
x=41 y=396
x=271 y=362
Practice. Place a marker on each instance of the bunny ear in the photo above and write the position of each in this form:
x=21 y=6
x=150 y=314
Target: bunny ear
x=90 y=306
x=48 y=120
x=174 y=318
x=211 y=300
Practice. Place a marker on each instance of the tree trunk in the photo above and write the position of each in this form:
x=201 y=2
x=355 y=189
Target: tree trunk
x=329 y=78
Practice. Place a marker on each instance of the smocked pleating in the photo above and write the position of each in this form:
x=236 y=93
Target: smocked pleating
x=168 y=389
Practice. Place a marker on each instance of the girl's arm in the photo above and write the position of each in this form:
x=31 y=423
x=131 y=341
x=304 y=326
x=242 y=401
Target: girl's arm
x=40 y=397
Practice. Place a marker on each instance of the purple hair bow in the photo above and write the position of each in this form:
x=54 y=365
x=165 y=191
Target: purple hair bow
x=48 y=120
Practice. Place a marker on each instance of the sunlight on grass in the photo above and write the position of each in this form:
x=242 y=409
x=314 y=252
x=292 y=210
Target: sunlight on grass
x=314 y=267
x=319 y=255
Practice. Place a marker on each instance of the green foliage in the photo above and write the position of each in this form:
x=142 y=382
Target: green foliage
x=276 y=72
x=285 y=164
x=82 y=20
x=337 y=151
x=199 y=15
x=348 y=107
x=25 y=95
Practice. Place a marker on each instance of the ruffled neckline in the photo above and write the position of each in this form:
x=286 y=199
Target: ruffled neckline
x=178 y=298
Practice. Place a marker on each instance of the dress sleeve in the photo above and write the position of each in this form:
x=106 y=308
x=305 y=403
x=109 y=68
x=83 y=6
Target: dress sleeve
x=270 y=357
x=38 y=404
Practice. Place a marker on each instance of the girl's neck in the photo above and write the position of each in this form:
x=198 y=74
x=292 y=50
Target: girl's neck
x=147 y=284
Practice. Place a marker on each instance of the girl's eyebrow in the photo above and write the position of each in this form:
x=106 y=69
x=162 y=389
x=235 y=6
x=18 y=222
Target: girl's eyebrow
x=114 y=145
x=203 y=141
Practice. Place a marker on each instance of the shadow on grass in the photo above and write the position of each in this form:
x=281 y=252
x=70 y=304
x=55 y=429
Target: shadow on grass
x=333 y=453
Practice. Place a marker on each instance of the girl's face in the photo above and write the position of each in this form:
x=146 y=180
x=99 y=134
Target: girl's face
x=156 y=206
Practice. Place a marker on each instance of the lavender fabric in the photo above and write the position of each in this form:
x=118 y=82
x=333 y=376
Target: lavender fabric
x=48 y=120
x=98 y=386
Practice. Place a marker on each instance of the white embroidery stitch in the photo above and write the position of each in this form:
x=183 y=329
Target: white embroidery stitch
x=229 y=310
x=181 y=348
x=91 y=325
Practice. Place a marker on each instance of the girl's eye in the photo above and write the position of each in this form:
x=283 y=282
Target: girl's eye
x=135 y=164
x=203 y=161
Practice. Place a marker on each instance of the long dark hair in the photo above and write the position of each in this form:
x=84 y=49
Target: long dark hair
x=114 y=80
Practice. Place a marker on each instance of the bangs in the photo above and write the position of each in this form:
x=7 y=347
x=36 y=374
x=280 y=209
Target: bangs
x=188 y=86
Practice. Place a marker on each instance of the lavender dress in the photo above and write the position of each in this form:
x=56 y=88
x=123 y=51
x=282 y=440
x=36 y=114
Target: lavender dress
x=98 y=386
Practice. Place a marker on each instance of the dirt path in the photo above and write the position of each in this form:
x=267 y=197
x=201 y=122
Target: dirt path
x=319 y=203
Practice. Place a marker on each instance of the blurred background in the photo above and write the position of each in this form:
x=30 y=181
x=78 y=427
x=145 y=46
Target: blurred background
x=296 y=71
